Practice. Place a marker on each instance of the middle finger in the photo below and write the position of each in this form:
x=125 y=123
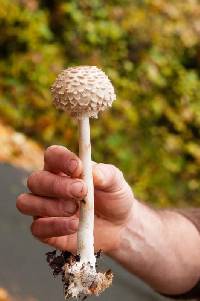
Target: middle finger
x=44 y=183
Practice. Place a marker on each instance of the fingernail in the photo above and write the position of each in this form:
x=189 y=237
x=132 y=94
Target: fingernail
x=71 y=206
x=73 y=225
x=72 y=165
x=77 y=189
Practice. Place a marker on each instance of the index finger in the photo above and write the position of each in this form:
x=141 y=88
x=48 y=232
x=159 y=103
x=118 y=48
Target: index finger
x=59 y=159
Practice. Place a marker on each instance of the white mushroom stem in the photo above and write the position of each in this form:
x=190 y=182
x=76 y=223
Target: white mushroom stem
x=81 y=278
x=84 y=91
x=86 y=221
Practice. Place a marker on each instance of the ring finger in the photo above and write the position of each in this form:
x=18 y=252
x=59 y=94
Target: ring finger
x=30 y=204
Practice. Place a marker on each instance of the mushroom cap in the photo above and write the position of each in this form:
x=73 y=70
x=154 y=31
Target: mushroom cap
x=83 y=91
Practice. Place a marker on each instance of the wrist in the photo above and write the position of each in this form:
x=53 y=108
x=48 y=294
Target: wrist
x=144 y=248
x=152 y=246
x=138 y=237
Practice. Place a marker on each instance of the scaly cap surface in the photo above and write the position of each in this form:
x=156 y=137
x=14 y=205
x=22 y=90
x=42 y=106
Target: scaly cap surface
x=83 y=91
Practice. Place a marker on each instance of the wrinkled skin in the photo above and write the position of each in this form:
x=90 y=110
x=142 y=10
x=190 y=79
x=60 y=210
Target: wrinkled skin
x=55 y=196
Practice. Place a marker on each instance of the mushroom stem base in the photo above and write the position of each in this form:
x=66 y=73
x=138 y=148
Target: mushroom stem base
x=81 y=279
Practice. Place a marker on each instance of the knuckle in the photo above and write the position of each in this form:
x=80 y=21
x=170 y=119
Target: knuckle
x=113 y=168
x=120 y=174
x=53 y=224
x=117 y=177
x=57 y=187
x=115 y=172
x=20 y=202
x=72 y=156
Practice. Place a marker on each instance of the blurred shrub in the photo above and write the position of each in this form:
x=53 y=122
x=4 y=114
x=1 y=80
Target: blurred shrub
x=151 y=51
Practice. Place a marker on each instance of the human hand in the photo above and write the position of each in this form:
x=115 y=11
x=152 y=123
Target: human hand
x=57 y=191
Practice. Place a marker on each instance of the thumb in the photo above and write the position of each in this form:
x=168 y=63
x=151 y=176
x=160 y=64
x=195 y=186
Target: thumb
x=107 y=177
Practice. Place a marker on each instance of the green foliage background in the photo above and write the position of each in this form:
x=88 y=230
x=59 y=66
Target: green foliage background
x=151 y=51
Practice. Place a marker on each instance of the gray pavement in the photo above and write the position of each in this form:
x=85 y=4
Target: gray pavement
x=23 y=270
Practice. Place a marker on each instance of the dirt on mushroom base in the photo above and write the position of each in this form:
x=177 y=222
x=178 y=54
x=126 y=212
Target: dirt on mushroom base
x=79 y=279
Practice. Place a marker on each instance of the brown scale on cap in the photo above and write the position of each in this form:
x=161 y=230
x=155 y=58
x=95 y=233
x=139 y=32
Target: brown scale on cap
x=83 y=91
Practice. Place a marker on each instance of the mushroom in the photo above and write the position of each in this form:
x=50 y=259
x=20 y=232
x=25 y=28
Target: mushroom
x=83 y=92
